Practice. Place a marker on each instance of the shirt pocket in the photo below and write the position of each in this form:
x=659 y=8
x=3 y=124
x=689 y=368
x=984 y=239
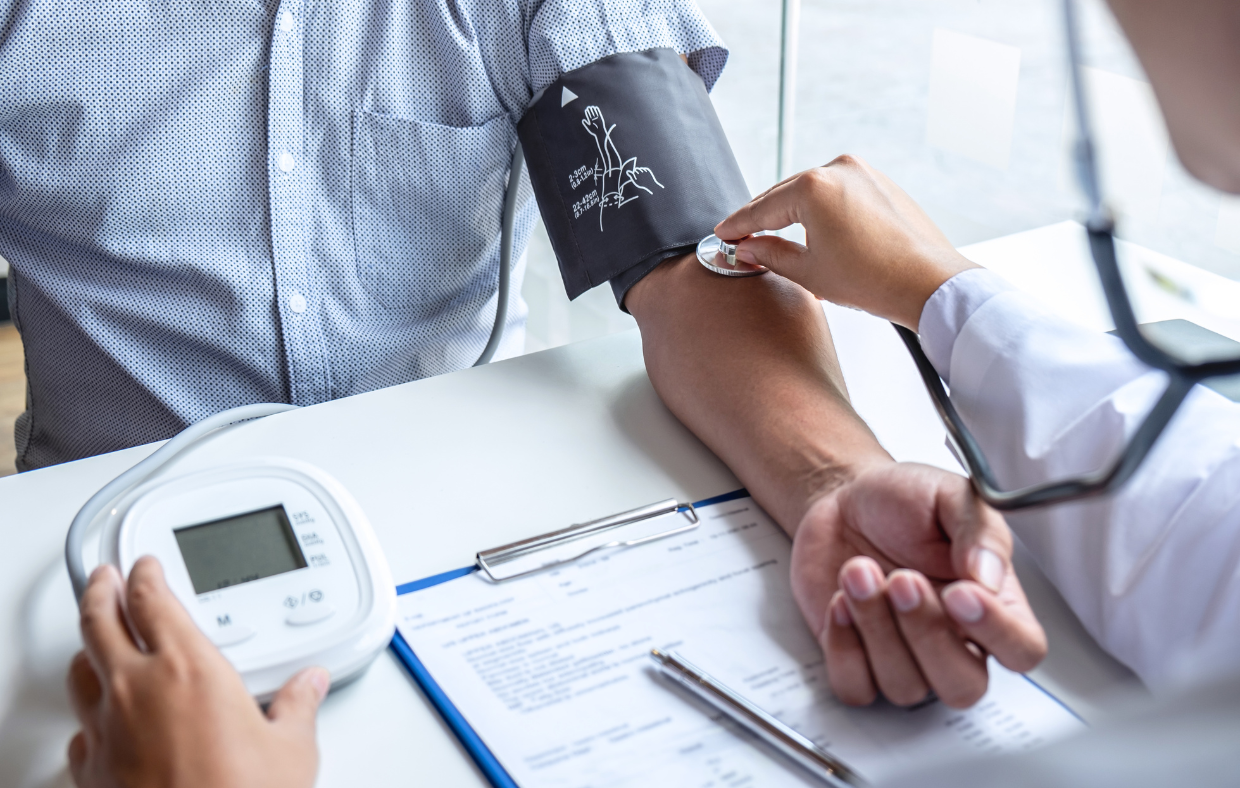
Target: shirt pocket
x=427 y=205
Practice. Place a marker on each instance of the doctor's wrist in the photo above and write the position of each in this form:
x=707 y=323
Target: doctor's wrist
x=919 y=281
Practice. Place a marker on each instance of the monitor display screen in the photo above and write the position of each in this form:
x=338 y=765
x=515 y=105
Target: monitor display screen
x=239 y=549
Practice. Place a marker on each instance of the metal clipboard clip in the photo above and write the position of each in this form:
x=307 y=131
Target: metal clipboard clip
x=537 y=553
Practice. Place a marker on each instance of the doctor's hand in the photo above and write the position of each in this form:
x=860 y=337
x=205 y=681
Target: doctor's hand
x=177 y=713
x=868 y=245
x=906 y=580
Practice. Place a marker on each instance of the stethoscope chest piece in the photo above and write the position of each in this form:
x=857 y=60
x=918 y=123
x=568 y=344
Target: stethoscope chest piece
x=720 y=256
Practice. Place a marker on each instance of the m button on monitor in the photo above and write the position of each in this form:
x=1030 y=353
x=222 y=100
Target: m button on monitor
x=227 y=632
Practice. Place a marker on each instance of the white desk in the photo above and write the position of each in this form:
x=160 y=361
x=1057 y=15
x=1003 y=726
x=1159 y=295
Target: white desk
x=489 y=455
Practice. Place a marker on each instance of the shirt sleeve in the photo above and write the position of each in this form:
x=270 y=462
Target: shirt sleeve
x=567 y=34
x=1153 y=571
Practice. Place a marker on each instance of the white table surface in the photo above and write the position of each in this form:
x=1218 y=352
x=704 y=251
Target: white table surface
x=476 y=458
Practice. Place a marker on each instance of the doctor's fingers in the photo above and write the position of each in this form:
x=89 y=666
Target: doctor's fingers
x=789 y=259
x=776 y=208
x=1003 y=624
x=158 y=616
x=817 y=197
x=107 y=640
x=78 y=752
x=892 y=664
x=85 y=690
x=955 y=673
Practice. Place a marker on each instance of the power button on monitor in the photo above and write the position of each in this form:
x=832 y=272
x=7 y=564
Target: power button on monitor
x=312 y=610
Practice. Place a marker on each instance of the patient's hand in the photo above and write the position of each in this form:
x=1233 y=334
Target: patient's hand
x=177 y=714
x=905 y=578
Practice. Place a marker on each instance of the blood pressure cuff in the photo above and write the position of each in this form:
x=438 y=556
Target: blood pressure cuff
x=629 y=165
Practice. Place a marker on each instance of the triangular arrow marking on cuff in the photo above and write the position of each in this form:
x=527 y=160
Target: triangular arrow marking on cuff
x=566 y=97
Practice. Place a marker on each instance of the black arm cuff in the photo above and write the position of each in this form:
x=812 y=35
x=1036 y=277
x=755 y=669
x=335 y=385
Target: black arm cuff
x=630 y=166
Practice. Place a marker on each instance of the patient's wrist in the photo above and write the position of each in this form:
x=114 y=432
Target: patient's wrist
x=826 y=482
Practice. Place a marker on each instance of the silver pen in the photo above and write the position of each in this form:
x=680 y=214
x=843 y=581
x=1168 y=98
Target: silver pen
x=800 y=749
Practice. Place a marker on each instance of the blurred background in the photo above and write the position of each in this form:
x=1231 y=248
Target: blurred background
x=964 y=103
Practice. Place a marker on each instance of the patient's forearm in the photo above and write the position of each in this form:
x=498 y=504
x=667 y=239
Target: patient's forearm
x=748 y=365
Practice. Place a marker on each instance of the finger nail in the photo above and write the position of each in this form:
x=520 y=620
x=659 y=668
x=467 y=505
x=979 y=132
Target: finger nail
x=104 y=571
x=988 y=569
x=903 y=592
x=746 y=256
x=840 y=614
x=859 y=582
x=321 y=680
x=963 y=604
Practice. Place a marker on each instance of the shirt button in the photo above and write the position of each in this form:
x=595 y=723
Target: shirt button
x=286 y=162
x=286 y=22
x=297 y=302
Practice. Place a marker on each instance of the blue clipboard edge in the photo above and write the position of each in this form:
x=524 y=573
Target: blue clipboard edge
x=1055 y=698
x=487 y=763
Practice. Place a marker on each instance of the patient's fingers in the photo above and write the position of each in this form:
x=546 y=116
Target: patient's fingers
x=981 y=541
x=895 y=671
x=954 y=672
x=848 y=671
x=1002 y=624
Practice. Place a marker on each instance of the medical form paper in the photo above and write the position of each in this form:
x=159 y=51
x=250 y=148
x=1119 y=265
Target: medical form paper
x=553 y=670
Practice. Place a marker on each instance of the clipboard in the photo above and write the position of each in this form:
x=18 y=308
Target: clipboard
x=589 y=538
x=492 y=563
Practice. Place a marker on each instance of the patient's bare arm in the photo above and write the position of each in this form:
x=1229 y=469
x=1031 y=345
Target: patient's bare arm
x=748 y=365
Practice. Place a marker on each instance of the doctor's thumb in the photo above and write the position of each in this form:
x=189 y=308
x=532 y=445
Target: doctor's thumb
x=786 y=258
x=297 y=702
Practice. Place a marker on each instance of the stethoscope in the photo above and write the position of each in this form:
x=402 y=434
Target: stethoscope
x=720 y=256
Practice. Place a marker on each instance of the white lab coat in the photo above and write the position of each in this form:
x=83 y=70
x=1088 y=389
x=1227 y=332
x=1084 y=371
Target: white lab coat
x=1175 y=742
x=1153 y=571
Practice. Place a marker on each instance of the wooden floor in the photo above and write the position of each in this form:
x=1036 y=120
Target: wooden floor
x=12 y=392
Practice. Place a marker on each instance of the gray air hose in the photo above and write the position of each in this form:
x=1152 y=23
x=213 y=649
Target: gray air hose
x=505 y=257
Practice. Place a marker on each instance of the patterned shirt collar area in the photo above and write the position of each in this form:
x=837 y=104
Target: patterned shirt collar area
x=207 y=204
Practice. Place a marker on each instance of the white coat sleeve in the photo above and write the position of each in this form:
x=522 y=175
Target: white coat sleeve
x=1153 y=571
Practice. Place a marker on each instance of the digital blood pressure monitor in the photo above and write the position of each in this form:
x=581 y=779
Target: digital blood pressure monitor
x=274 y=560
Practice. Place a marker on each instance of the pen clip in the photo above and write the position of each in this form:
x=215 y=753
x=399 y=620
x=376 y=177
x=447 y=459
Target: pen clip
x=796 y=746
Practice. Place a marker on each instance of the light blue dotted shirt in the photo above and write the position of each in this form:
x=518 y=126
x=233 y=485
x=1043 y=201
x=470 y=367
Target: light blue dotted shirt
x=206 y=204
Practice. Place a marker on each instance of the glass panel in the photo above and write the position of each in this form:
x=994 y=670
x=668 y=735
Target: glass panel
x=965 y=104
